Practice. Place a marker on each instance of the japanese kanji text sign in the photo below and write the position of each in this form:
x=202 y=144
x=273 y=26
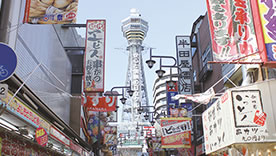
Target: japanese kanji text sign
x=267 y=11
x=245 y=106
x=184 y=61
x=99 y=104
x=176 y=132
x=94 y=58
x=236 y=117
x=232 y=31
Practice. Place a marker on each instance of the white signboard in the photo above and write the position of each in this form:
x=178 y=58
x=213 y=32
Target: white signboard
x=184 y=60
x=216 y=125
x=176 y=128
x=250 y=118
x=94 y=56
x=245 y=105
x=239 y=116
x=3 y=90
x=59 y=136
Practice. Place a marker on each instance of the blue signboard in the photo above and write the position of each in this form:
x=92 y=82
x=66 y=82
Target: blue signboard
x=170 y=102
x=8 y=62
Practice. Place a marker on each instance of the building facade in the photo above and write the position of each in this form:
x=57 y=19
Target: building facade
x=219 y=76
x=44 y=72
x=205 y=75
x=160 y=92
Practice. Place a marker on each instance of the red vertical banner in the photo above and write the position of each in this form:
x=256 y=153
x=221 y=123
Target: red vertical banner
x=94 y=57
x=232 y=31
x=176 y=132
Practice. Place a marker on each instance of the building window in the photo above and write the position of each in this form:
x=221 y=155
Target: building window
x=193 y=51
x=207 y=55
x=135 y=20
x=194 y=75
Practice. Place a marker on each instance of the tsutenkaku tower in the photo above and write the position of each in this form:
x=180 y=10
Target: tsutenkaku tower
x=135 y=29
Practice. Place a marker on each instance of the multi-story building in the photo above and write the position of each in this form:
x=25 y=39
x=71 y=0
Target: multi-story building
x=160 y=92
x=44 y=72
x=218 y=76
x=205 y=75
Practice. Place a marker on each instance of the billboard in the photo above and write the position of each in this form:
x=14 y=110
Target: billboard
x=232 y=32
x=99 y=103
x=184 y=61
x=50 y=11
x=176 y=132
x=94 y=57
x=17 y=107
x=241 y=115
x=183 y=110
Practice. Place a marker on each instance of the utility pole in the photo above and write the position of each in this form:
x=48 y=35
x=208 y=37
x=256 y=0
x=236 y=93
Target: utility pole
x=4 y=20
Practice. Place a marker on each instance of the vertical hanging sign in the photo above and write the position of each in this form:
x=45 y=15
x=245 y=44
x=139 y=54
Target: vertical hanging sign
x=94 y=58
x=267 y=10
x=171 y=91
x=184 y=60
x=232 y=31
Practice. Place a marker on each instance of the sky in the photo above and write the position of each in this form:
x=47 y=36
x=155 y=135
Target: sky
x=166 y=19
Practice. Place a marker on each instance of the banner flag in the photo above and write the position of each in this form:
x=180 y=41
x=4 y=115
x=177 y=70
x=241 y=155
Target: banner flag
x=202 y=98
x=50 y=11
x=232 y=32
x=264 y=18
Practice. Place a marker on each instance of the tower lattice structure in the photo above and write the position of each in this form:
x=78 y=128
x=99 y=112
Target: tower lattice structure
x=135 y=29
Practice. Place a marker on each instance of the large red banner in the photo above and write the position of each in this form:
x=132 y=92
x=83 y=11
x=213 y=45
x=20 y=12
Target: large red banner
x=99 y=104
x=232 y=31
x=176 y=132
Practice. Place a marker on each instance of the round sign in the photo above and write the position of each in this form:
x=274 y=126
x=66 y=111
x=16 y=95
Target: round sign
x=8 y=62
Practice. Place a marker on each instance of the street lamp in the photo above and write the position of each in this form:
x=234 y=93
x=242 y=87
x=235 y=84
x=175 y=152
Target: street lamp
x=152 y=122
x=137 y=128
x=141 y=108
x=114 y=93
x=146 y=116
x=116 y=108
x=151 y=62
x=161 y=72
